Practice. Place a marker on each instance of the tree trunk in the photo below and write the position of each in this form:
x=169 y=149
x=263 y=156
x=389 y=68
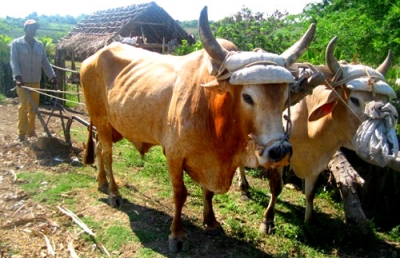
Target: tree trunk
x=349 y=183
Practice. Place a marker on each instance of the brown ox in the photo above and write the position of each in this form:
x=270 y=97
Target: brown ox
x=201 y=119
x=322 y=123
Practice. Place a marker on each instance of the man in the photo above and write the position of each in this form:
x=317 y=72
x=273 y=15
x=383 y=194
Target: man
x=27 y=57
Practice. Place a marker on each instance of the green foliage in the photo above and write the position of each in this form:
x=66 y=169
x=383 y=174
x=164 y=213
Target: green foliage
x=54 y=26
x=2 y=98
x=249 y=31
x=394 y=234
x=185 y=48
x=49 y=47
x=366 y=29
x=4 y=48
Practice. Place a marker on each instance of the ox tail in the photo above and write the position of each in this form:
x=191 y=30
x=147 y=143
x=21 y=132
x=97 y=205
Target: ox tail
x=89 y=155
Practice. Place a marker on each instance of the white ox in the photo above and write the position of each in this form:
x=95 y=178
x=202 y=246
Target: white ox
x=329 y=119
x=201 y=108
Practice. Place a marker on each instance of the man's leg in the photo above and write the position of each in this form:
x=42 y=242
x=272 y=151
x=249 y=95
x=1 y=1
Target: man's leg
x=22 y=113
x=31 y=112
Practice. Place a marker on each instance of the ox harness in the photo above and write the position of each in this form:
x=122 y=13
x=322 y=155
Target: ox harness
x=375 y=139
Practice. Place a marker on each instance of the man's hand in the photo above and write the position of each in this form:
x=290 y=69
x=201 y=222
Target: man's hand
x=18 y=81
x=54 y=82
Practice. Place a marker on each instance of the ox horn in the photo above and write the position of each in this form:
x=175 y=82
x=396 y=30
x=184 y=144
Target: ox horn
x=208 y=40
x=384 y=67
x=330 y=58
x=297 y=49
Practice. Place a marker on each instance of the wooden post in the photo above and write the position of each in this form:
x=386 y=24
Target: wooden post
x=73 y=68
x=163 y=46
x=60 y=62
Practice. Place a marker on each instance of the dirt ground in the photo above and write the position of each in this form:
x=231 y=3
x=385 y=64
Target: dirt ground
x=24 y=224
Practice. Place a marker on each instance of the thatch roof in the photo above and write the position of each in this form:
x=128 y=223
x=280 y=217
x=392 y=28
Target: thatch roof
x=103 y=27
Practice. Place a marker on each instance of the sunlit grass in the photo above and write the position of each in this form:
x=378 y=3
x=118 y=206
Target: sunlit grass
x=50 y=188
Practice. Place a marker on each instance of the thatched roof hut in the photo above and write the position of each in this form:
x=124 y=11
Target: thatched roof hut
x=145 y=21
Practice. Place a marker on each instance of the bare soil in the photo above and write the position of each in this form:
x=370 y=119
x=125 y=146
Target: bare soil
x=23 y=222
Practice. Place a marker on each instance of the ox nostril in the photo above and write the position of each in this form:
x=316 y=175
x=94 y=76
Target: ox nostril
x=278 y=152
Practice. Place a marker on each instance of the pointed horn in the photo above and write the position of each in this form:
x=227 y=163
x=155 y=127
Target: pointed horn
x=208 y=40
x=297 y=49
x=384 y=67
x=330 y=58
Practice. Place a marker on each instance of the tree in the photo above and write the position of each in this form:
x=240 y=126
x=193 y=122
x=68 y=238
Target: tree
x=274 y=33
x=366 y=29
x=5 y=48
x=6 y=81
x=49 y=47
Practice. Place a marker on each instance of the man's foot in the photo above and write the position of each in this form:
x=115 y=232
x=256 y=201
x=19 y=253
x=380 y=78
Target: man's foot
x=21 y=138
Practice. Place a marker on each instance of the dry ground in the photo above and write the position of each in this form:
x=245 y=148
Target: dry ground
x=23 y=222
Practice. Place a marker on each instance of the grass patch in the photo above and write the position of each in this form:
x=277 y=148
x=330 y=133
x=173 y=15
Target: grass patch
x=117 y=236
x=51 y=188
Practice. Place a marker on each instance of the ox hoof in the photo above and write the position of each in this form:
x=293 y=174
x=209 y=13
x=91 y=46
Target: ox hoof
x=103 y=188
x=115 y=201
x=178 y=244
x=267 y=228
x=245 y=196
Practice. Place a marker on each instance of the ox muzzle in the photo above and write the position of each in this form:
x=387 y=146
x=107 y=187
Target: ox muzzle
x=275 y=154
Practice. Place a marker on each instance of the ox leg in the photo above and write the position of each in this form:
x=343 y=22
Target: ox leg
x=309 y=191
x=114 y=198
x=105 y=173
x=275 y=185
x=177 y=240
x=213 y=228
x=102 y=183
x=243 y=184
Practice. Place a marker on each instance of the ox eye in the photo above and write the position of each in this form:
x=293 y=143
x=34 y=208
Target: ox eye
x=247 y=99
x=355 y=101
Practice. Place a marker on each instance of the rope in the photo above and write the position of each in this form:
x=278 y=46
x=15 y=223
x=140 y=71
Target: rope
x=52 y=96
x=55 y=91
x=336 y=83
x=64 y=69
x=288 y=128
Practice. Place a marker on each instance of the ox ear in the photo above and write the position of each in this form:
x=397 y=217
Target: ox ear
x=324 y=107
x=215 y=85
